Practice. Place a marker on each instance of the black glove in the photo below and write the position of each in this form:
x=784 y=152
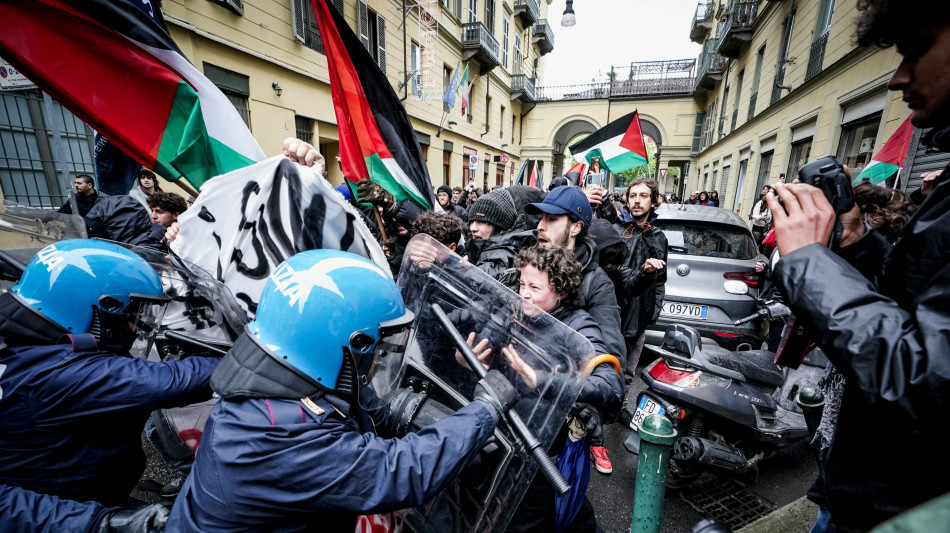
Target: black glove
x=496 y=391
x=368 y=192
x=590 y=419
x=149 y=519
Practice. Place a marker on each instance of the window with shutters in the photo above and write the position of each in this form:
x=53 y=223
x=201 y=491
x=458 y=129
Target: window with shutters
x=372 y=32
x=513 y=128
x=519 y=59
x=338 y=4
x=490 y=16
x=305 y=25
x=735 y=105
x=504 y=42
x=415 y=70
x=765 y=167
x=472 y=10
x=234 y=85
x=801 y=151
x=501 y=122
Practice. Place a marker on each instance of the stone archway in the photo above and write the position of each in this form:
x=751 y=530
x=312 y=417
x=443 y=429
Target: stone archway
x=564 y=133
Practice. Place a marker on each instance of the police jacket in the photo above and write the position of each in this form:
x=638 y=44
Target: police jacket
x=271 y=461
x=73 y=417
x=643 y=291
x=597 y=297
x=123 y=219
x=892 y=346
x=25 y=511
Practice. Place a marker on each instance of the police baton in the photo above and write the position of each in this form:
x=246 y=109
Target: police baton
x=518 y=427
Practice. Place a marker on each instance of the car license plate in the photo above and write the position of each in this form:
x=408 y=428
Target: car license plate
x=698 y=312
x=645 y=408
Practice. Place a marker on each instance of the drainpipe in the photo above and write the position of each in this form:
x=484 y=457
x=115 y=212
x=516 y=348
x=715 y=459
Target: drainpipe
x=405 y=61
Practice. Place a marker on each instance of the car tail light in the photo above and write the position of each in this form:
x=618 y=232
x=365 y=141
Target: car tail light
x=724 y=334
x=749 y=278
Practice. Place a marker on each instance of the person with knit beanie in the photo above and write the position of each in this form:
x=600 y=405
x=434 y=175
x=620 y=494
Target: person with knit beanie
x=444 y=196
x=492 y=214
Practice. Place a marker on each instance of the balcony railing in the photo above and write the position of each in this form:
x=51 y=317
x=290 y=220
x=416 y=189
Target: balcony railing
x=817 y=56
x=478 y=43
x=735 y=27
x=522 y=88
x=528 y=11
x=709 y=67
x=543 y=36
x=702 y=21
x=645 y=78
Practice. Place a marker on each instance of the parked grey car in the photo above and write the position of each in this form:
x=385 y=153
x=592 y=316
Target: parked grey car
x=710 y=250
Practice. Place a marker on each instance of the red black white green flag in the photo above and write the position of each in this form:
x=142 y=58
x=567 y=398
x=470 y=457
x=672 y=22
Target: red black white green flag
x=377 y=141
x=889 y=159
x=114 y=65
x=619 y=145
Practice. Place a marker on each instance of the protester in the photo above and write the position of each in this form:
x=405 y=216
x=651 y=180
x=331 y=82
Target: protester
x=565 y=218
x=643 y=274
x=703 y=199
x=299 y=437
x=883 y=208
x=74 y=401
x=456 y=194
x=761 y=217
x=549 y=279
x=443 y=227
x=889 y=342
x=146 y=184
x=493 y=247
x=714 y=198
x=86 y=196
x=444 y=196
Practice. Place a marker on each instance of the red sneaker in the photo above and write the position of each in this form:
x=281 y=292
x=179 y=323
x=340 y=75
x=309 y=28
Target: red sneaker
x=601 y=461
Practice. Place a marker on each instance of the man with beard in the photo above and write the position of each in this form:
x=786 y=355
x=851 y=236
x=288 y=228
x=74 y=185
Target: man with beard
x=889 y=342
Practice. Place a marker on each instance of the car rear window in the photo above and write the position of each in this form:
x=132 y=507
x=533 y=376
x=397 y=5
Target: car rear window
x=708 y=241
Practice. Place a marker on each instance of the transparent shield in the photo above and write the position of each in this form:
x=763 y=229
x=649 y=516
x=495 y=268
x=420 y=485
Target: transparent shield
x=547 y=361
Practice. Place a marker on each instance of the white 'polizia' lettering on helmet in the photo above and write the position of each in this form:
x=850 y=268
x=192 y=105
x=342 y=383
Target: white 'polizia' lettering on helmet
x=296 y=286
x=50 y=257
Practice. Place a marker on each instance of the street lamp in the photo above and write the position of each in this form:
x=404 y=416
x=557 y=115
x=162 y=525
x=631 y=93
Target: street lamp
x=568 y=19
x=277 y=88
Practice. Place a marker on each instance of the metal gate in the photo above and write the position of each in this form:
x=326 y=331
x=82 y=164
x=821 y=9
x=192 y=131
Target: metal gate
x=29 y=171
x=920 y=158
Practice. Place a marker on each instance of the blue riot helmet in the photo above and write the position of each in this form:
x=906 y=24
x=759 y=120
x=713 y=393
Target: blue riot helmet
x=338 y=320
x=97 y=287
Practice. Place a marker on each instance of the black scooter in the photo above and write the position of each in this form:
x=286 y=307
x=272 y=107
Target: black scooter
x=730 y=409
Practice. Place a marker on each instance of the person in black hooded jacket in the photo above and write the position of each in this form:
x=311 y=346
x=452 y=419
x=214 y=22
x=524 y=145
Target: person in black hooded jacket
x=444 y=196
x=890 y=342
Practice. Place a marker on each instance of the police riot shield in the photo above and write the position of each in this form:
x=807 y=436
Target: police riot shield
x=26 y=230
x=547 y=362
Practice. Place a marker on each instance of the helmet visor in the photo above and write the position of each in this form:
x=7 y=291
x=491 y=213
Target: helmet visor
x=144 y=314
x=380 y=375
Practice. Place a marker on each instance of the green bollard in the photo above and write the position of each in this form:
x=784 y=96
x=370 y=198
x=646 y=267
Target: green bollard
x=656 y=440
x=812 y=402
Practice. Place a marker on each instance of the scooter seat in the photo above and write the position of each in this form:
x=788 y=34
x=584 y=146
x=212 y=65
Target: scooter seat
x=755 y=365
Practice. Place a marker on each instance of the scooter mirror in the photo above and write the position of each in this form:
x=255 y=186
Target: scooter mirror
x=733 y=286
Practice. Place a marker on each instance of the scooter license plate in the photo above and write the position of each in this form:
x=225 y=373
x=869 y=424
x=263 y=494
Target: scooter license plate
x=645 y=408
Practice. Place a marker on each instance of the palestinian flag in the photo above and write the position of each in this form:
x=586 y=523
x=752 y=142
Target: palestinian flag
x=890 y=157
x=535 y=176
x=377 y=141
x=619 y=145
x=114 y=65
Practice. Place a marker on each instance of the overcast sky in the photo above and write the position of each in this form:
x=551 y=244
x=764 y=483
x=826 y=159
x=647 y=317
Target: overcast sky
x=617 y=32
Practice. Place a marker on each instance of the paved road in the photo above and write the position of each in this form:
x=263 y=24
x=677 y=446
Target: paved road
x=781 y=480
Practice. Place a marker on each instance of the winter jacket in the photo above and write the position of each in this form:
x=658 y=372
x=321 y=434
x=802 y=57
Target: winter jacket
x=604 y=388
x=84 y=203
x=139 y=195
x=270 y=461
x=72 y=419
x=26 y=511
x=892 y=346
x=496 y=254
x=644 y=291
x=598 y=298
x=121 y=219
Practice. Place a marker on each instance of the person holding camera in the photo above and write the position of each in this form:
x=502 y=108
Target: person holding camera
x=890 y=342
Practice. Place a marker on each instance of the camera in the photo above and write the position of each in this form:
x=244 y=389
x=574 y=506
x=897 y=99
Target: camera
x=827 y=173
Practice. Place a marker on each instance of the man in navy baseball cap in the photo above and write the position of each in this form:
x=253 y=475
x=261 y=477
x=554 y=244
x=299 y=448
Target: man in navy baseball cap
x=565 y=216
